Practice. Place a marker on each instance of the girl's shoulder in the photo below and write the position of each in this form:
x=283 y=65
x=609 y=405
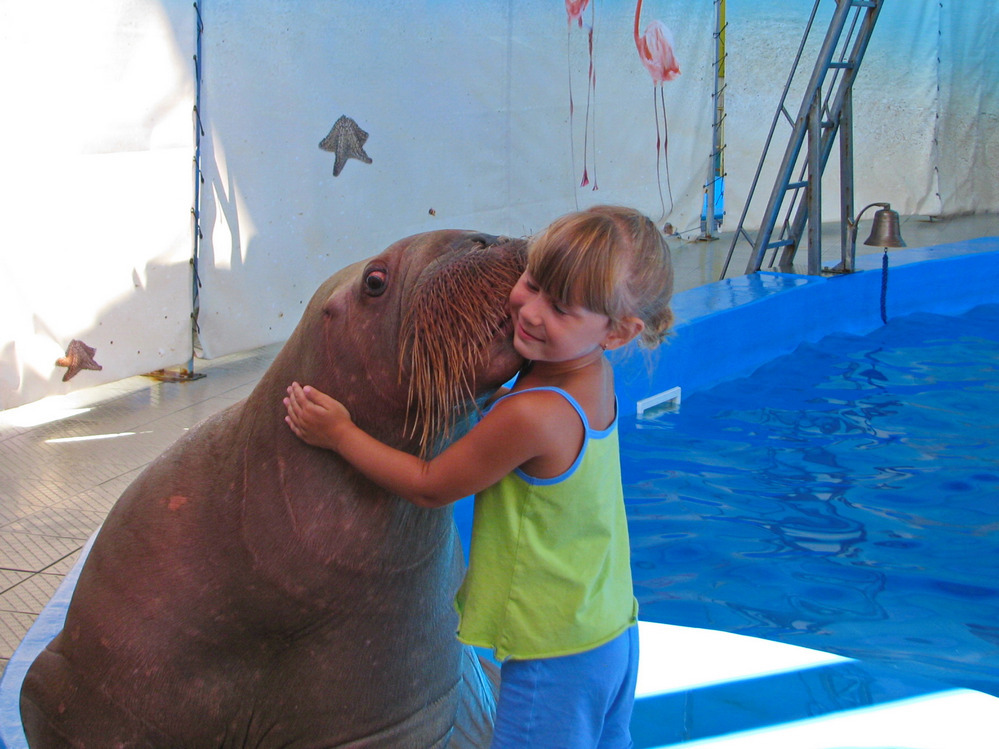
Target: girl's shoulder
x=541 y=405
x=587 y=396
x=548 y=421
x=531 y=400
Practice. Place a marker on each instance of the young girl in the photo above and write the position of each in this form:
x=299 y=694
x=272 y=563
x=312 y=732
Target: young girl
x=548 y=586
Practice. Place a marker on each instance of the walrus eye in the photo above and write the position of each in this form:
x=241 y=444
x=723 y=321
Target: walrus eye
x=375 y=281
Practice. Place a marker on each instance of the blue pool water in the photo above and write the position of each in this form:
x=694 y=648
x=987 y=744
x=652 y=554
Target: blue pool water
x=843 y=498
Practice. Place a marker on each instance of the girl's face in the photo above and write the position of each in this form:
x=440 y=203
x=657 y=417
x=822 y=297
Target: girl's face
x=546 y=331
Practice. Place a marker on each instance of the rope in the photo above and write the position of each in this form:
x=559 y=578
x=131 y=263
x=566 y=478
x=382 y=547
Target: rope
x=199 y=180
x=884 y=287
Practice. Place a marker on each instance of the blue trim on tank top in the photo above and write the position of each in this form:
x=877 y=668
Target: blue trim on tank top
x=590 y=434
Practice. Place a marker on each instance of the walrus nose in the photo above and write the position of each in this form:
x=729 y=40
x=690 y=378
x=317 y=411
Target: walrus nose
x=486 y=240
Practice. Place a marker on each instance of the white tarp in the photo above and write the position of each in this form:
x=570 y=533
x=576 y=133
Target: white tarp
x=95 y=236
x=466 y=106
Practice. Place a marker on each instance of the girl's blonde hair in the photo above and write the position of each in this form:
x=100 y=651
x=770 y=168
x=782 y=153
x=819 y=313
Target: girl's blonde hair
x=611 y=260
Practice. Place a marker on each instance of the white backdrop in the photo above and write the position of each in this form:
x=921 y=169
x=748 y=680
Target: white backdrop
x=467 y=110
x=95 y=229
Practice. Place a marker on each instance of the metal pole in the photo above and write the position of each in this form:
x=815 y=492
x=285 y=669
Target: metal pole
x=709 y=221
x=196 y=209
x=813 y=192
x=846 y=196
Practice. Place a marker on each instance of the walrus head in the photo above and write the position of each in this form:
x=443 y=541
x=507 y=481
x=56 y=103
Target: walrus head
x=457 y=319
x=410 y=338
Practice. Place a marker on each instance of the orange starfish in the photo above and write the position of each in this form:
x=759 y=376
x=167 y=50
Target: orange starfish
x=78 y=356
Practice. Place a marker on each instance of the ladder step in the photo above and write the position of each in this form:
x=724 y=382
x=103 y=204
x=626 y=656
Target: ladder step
x=826 y=119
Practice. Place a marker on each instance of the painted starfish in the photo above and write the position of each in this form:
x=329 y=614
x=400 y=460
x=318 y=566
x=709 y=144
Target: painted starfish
x=346 y=140
x=78 y=356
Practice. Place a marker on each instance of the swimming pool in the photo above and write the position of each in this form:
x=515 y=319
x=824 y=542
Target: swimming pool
x=840 y=498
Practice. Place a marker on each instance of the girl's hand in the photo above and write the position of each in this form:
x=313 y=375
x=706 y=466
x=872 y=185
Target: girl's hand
x=315 y=417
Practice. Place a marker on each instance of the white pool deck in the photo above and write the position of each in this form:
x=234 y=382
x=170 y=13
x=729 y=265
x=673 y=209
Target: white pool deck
x=65 y=460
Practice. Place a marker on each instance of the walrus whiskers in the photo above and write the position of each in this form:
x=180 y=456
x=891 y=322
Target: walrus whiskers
x=446 y=335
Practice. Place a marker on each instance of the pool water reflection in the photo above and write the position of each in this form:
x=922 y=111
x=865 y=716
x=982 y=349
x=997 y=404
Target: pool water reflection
x=842 y=498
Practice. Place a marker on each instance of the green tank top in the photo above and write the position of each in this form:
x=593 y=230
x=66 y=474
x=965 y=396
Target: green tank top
x=549 y=565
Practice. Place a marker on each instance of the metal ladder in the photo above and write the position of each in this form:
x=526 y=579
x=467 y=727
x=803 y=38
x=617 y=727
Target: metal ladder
x=798 y=198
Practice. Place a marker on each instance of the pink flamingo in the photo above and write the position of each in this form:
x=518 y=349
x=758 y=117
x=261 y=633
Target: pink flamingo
x=574 y=10
x=655 y=50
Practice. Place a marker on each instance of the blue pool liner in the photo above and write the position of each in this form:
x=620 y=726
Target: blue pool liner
x=730 y=328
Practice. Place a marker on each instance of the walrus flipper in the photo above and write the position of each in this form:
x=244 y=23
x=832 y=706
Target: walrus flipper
x=55 y=690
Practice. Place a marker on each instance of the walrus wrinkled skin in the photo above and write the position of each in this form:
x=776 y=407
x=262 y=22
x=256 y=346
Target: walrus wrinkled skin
x=248 y=590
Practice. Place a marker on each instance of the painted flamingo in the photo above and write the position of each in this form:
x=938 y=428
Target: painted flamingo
x=574 y=11
x=655 y=50
x=575 y=8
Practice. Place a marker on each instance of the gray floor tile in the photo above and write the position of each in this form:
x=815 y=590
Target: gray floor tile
x=10 y=578
x=62 y=521
x=13 y=627
x=64 y=565
x=33 y=553
x=31 y=595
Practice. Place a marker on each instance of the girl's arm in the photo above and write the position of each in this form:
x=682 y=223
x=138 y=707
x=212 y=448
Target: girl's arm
x=512 y=433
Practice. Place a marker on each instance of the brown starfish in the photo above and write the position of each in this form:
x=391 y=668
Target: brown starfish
x=346 y=140
x=78 y=356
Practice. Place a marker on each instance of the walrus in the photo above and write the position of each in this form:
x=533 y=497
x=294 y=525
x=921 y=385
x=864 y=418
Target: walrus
x=250 y=590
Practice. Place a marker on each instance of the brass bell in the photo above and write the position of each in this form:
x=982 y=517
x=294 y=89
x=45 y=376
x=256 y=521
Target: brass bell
x=885 y=232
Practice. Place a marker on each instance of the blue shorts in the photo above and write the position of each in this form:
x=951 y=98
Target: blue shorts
x=575 y=701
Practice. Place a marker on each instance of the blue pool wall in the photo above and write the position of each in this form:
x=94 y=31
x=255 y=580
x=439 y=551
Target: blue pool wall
x=729 y=328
